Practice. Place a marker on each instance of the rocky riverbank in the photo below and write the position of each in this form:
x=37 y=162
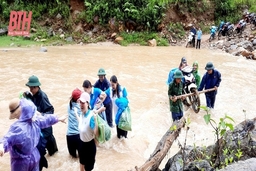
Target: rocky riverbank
x=243 y=45
x=236 y=146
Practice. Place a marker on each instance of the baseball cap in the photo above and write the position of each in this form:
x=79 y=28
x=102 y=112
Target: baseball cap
x=85 y=97
x=76 y=94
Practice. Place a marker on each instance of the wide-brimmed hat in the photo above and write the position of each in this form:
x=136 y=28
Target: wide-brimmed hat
x=85 y=97
x=209 y=66
x=101 y=72
x=178 y=74
x=76 y=94
x=33 y=81
x=15 y=108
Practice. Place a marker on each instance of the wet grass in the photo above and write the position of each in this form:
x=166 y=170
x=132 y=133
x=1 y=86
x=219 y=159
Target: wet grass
x=10 y=41
x=142 y=38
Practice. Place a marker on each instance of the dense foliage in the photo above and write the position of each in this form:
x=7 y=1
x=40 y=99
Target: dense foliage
x=143 y=12
x=38 y=7
x=231 y=10
x=147 y=13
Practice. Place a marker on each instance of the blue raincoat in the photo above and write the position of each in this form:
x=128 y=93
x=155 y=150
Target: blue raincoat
x=121 y=103
x=23 y=136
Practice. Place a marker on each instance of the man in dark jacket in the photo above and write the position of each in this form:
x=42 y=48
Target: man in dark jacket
x=41 y=101
x=193 y=30
x=211 y=79
x=103 y=84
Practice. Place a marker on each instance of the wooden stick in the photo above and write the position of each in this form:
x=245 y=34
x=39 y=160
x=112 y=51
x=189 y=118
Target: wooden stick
x=199 y=92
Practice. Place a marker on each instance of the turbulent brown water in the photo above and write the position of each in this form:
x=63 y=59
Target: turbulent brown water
x=143 y=71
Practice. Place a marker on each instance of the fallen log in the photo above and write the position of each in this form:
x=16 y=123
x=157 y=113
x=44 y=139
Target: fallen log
x=199 y=92
x=162 y=147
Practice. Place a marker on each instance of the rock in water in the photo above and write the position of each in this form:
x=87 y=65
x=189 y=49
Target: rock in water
x=152 y=43
x=43 y=49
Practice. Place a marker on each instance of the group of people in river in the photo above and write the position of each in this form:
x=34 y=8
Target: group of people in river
x=31 y=135
x=176 y=83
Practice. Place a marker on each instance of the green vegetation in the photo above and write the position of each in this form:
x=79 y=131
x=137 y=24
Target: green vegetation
x=19 y=41
x=16 y=41
x=38 y=7
x=141 y=38
x=178 y=29
x=231 y=10
x=220 y=130
x=147 y=15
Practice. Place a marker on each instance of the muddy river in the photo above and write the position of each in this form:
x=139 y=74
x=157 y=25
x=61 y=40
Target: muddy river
x=143 y=71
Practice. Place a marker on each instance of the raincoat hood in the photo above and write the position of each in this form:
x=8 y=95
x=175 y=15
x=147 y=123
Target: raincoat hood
x=28 y=109
x=195 y=63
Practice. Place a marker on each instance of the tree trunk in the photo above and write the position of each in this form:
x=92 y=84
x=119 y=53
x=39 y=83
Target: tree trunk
x=162 y=147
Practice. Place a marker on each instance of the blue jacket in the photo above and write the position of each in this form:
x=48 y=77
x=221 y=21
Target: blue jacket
x=199 y=34
x=72 y=120
x=104 y=85
x=210 y=81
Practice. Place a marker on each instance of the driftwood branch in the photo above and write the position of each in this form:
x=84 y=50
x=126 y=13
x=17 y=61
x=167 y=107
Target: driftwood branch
x=162 y=147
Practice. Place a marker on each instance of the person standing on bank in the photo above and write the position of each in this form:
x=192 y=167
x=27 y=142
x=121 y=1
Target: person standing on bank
x=211 y=79
x=88 y=129
x=73 y=138
x=175 y=89
x=23 y=136
x=199 y=36
x=41 y=101
x=103 y=84
x=193 y=30
x=114 y=92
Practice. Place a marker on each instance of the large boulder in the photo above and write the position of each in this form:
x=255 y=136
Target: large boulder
x=236 y=145
x=236 y=50
x=152 y=43
x=247 y=45
x=247 y=165
x=247 y=54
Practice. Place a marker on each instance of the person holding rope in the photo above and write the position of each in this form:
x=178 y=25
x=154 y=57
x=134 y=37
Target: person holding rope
x=211 y=79
x=175 y=89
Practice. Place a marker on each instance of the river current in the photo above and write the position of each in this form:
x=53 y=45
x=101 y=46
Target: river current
x=143 y=71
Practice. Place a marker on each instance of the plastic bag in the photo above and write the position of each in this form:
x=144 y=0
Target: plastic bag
x=125 y=121
x=104 y=130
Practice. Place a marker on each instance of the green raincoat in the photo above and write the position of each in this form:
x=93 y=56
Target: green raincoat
x=197 y=75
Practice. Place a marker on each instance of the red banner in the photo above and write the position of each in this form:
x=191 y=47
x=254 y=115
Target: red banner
x=19 y=24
